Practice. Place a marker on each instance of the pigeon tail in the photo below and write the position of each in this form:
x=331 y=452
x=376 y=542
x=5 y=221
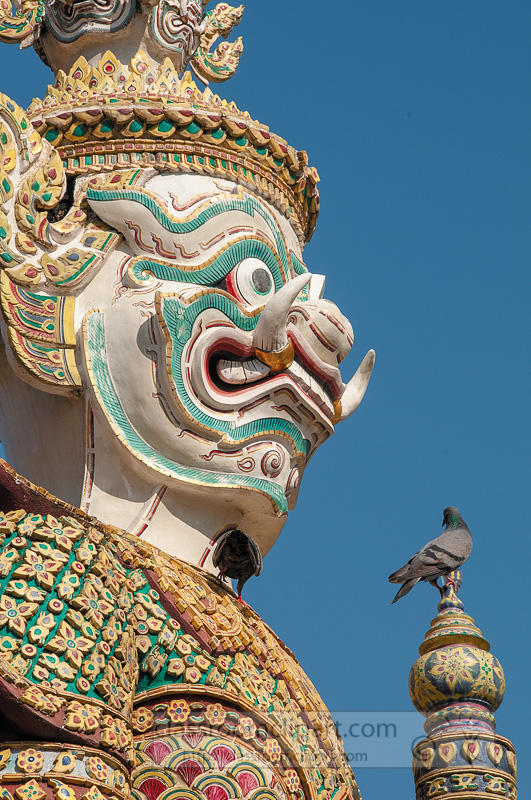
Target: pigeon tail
x=397 y=576
x=404 y=589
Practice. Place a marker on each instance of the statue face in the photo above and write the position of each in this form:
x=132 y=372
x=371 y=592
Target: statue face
x=174 y=25
x=68 y=21
x=208 y=350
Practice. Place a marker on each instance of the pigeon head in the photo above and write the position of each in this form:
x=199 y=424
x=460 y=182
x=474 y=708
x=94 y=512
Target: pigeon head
x=451 y=517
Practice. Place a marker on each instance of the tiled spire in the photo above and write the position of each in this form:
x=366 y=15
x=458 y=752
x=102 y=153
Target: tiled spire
x=457 y=684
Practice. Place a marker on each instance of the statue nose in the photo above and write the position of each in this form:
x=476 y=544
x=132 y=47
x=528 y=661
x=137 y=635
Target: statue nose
x=325 y=328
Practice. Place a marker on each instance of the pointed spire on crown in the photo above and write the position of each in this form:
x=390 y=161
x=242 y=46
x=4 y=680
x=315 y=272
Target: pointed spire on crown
x=181 y=30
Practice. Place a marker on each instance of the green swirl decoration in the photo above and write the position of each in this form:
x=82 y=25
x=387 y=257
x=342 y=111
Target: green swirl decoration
x=179 y=319
x=98 y=363
x=143 y=268
x=244 y=203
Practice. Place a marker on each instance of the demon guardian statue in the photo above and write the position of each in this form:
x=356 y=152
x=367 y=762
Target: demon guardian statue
x=171 y=366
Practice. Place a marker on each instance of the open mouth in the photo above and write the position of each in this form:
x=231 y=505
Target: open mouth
x=240 y=374
x=230 y=372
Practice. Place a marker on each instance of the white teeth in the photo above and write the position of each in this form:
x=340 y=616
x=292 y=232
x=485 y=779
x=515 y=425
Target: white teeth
x=239 y=372
x=252 y=370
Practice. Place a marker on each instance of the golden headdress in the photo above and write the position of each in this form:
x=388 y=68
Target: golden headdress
x=102 y=115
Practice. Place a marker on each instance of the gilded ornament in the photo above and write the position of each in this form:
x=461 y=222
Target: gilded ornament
x=64 y=762
x=511 y=761
x=470 y=749
x=108 y=686
x=426 y=756
x=68 y=642
x=456 y=672
x=178 y=711
x=61 y=791
x=436 y=787
x=96 y=768
x=82 y=717
x=246 y=728
x=447 y=751
x=9 y=521
x=464 y=781
x=93 y=794
x=457 y=684
x=142 y=720
x=495 y=784
x=495 y=752
x=30 y=760
x=39 y=567
x=291 y=780
x=115 y=733
x=222 y=64
x=215 y=714
x=192 y=675
x=7 y=559
x=272 y=750
x=15 y=615
x=30 y=791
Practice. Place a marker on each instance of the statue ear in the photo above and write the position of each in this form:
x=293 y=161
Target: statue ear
x=38 y=328
x=49 y=247
x=40 y=339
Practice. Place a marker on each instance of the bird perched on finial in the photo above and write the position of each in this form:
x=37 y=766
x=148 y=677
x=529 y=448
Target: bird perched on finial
x=437 y=558
x=237 y=556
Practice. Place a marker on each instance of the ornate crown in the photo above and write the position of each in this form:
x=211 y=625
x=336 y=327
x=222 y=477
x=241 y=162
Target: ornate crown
x=102 y=114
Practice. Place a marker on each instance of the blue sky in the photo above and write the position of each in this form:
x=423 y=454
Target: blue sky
x=417 y=117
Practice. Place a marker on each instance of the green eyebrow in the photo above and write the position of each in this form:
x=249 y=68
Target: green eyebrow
x=245 y=203
x=142 y=268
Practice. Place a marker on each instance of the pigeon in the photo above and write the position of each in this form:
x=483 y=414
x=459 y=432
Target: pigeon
x=237 y=556
x=437 y=558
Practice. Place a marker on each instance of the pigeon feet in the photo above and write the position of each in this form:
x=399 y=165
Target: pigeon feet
x=451 y=582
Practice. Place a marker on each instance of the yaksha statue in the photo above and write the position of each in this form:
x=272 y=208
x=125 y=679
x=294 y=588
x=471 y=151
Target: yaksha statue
x=170 y=368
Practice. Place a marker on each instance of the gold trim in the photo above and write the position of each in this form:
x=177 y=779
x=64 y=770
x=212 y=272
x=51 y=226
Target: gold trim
x=465 y=734
x=155 y=110
x=444 y=772
x=279 y=361
x=338 y=410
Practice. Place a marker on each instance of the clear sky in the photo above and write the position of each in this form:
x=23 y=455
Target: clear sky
x=417 y=116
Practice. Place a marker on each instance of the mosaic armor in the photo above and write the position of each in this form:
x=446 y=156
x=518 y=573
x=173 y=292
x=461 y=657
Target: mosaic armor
x=124 y=670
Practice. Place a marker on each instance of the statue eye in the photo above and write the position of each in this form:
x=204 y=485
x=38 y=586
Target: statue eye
x=251 y=282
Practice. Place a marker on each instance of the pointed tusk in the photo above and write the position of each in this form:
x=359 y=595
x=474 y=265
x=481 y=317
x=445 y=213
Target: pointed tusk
x=355 y=388
x=270 y=333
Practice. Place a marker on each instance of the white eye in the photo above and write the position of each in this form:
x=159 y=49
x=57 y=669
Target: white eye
x=251 y=282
